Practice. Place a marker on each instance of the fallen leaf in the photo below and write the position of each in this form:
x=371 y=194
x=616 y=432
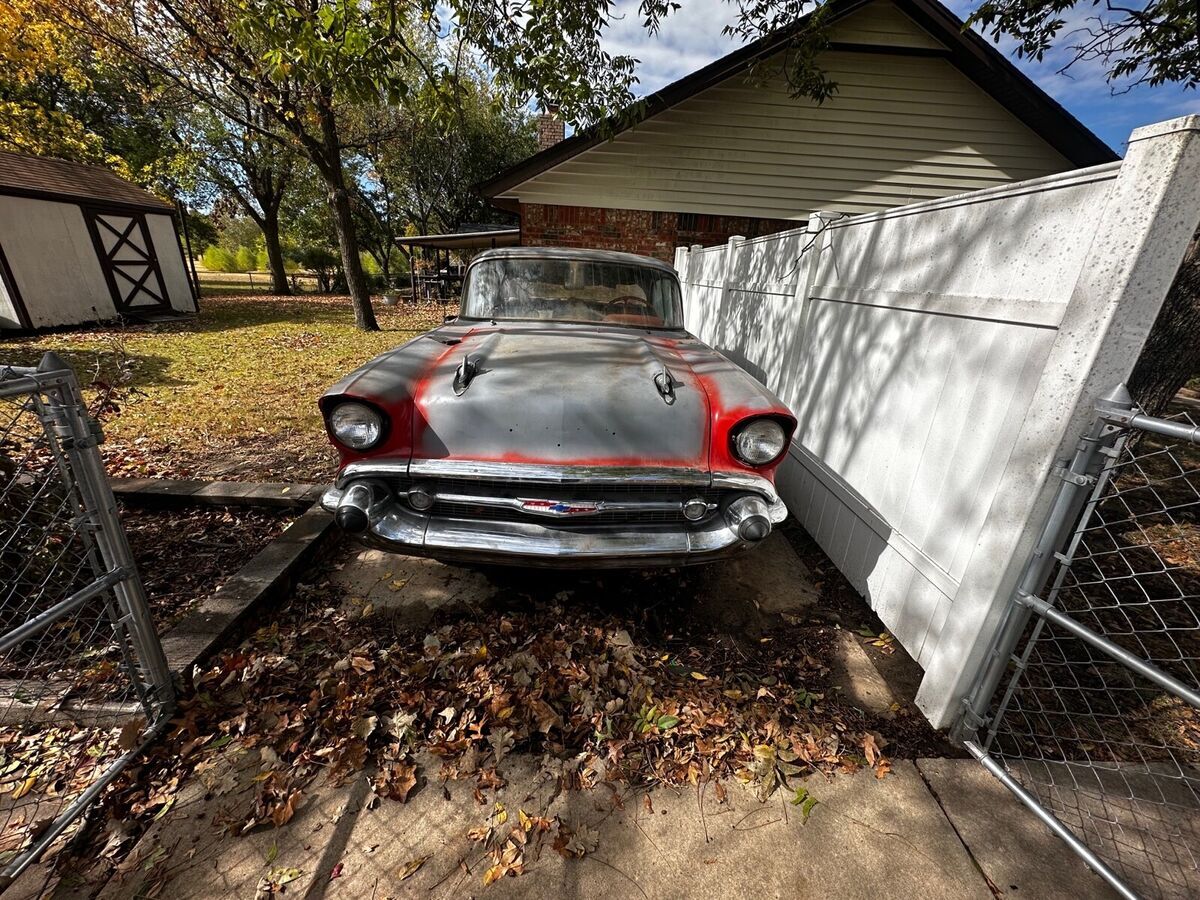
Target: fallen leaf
x=410 y=868
x=131 y=733
x=806 y=801
x=584 y=840
x=24 y=787
x=396 y=781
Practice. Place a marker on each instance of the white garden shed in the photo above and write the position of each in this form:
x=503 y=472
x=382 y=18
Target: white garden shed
x=80 y=244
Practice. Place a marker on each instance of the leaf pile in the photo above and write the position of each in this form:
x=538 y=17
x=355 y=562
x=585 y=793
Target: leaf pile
x=41 y=770
x=604 y=697
x=183 y=555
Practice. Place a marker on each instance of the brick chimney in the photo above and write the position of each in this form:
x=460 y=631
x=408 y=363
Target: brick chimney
x=551 y=129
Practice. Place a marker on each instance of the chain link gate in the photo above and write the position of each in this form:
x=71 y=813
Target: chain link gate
x=1088 y=707
x=83 y=681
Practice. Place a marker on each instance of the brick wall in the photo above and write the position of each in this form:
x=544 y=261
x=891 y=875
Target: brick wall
x=654 y=234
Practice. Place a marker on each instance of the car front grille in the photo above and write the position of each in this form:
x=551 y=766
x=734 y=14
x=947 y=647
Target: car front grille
x=652 y=496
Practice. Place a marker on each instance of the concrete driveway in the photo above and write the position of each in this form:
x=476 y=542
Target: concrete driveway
x=930 y=829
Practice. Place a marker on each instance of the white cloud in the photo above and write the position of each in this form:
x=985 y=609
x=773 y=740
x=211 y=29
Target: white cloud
x=688 y=39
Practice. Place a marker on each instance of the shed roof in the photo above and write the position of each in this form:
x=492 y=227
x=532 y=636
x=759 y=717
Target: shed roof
x=970 y=53
x=57 y=179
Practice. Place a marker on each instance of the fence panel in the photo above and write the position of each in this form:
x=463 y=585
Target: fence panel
x=1091 y=700
x=940 y=357
x=83 y=681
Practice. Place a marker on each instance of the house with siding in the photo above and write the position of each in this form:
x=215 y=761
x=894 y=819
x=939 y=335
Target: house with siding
x=923 y=109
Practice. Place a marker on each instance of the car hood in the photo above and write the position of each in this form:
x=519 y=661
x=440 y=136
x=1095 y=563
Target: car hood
x=568 y=395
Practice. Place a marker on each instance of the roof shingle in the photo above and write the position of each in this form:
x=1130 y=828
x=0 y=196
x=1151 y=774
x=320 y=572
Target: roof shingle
x=34 y=176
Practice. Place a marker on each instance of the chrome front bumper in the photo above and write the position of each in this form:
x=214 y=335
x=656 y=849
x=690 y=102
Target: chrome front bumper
x=389 y=522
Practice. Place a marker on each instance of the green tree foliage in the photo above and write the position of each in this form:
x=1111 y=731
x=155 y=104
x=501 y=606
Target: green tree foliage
x=1155 y=42
x=218 y=259
x=252 y=168
x=246 y=258
x=60 y=96
x=302 y=64
x=418 y=168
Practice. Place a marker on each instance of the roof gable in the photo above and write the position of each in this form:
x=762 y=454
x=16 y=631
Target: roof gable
x=57 y=179
x=941 y=35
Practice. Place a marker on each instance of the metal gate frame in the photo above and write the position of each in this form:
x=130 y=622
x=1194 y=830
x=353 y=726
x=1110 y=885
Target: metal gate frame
x=1087 y=481
x=73 y=473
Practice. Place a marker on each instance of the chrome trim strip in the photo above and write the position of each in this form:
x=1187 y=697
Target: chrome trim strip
x=502 y=471
x=746 y=481
x=565 y=474
x=377 y=468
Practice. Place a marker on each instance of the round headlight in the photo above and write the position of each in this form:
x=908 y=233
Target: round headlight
x=356 y=425
x=759 y=442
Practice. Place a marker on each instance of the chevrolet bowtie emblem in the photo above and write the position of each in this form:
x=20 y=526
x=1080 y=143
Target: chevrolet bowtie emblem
x=561 y=507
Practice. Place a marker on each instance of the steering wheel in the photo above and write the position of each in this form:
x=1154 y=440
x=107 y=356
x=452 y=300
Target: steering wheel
x=627 y=299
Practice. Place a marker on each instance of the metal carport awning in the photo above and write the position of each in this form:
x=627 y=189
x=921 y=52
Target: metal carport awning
x=465 y=240
x=477 y=239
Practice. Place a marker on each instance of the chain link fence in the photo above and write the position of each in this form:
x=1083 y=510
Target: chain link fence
x=83 y=681
x=1089 y=709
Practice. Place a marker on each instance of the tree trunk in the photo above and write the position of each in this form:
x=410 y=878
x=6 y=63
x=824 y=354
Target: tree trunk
x=343 y=223
x=385 y=271
x=1172 y=352
x=270 y=230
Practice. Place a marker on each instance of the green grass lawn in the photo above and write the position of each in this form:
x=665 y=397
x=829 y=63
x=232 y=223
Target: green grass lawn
x=229 y=394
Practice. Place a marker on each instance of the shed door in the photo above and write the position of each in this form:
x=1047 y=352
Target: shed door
x=128 y=259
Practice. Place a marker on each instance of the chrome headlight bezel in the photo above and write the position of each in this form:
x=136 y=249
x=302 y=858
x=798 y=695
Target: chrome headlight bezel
x=762 y=434
x=371 y=422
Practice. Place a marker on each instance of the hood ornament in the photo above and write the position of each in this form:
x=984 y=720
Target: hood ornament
x=465 y=373
x=664 y=381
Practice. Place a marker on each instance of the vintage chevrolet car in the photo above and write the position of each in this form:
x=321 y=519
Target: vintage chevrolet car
x=565 y=417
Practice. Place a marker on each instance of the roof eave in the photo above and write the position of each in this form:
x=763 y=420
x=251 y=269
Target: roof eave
x=149 y=204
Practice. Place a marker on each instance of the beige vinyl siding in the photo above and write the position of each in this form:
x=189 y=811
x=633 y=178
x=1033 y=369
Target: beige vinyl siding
x=900 y=129
x=882 y=23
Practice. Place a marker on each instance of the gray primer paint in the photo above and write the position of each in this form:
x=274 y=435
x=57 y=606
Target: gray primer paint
x=563 y=393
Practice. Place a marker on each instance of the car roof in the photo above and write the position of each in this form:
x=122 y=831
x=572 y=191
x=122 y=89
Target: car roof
x=573 y=253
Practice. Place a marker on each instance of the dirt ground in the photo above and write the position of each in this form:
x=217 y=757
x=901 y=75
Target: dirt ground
x=184 y=554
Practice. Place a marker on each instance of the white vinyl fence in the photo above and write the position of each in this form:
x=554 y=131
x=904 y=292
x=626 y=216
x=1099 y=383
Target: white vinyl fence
x=940 y=357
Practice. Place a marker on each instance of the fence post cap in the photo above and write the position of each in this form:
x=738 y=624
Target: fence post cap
x=1117 y=398
x=52 y=362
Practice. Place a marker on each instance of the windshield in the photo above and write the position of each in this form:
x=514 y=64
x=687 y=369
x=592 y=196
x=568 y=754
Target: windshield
x=572 y=290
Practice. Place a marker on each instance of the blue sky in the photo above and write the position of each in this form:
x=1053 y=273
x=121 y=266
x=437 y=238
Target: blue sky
x=692 y=37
